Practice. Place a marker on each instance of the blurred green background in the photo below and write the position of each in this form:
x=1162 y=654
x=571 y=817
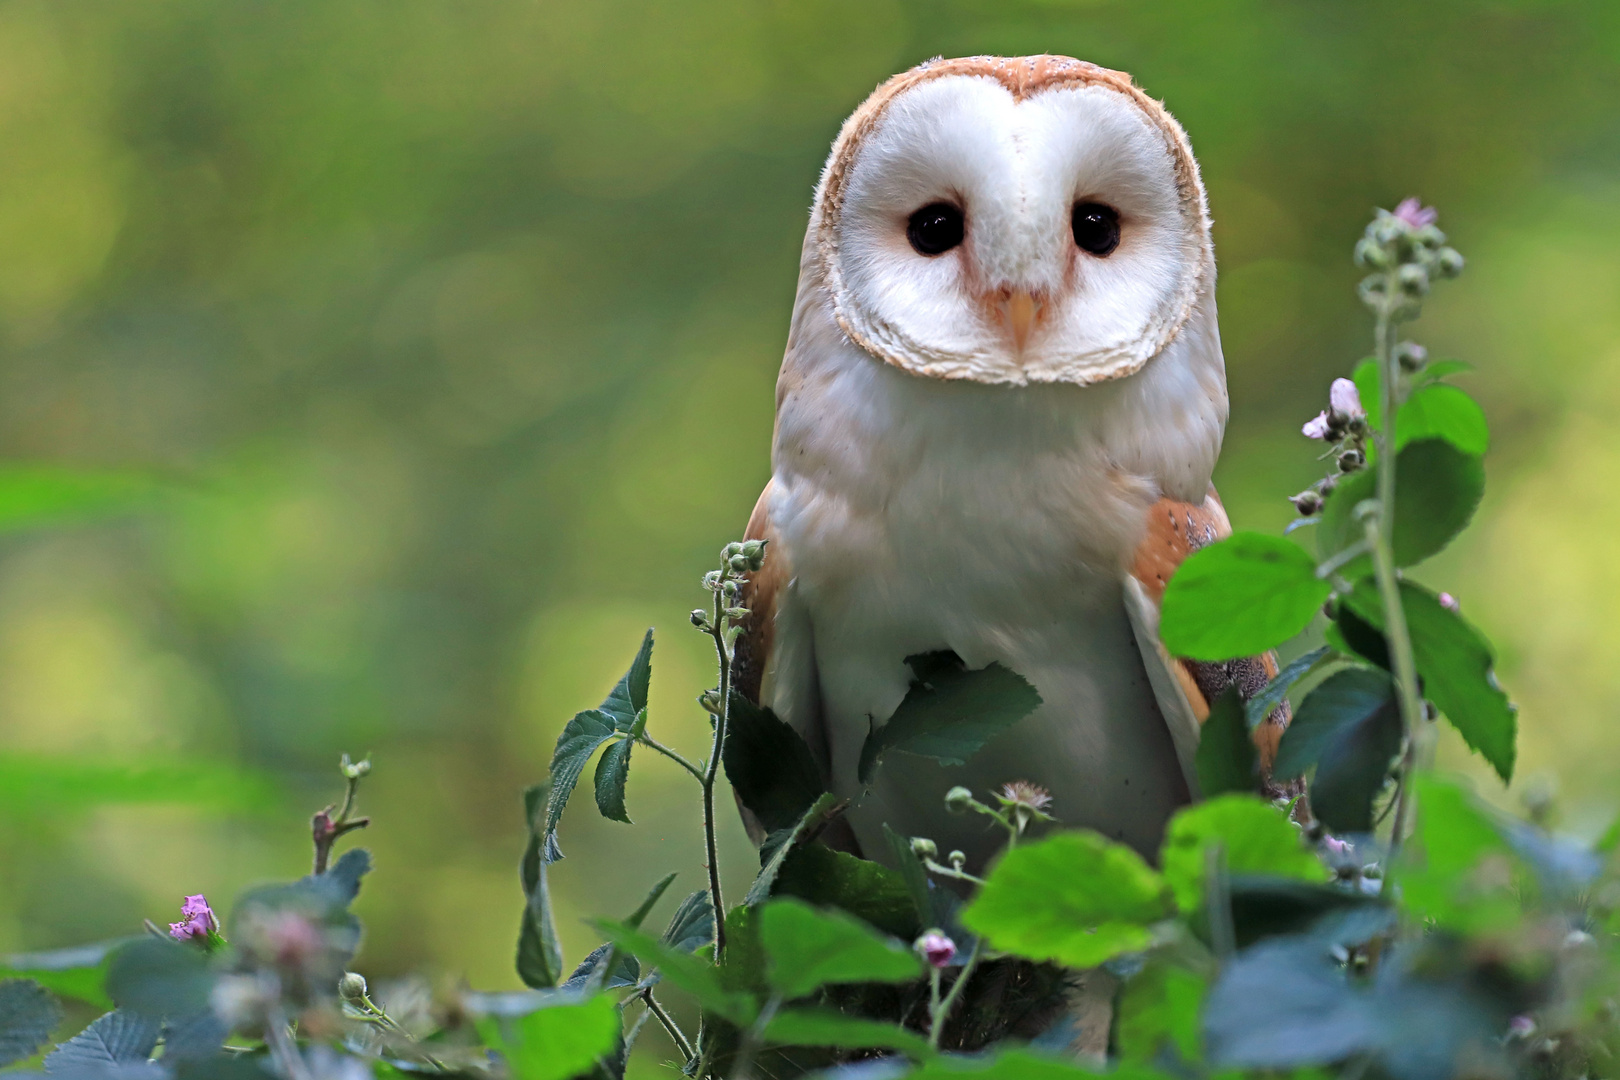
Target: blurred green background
x=425 y=310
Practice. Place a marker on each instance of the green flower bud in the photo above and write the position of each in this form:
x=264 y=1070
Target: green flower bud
x=957 y=860
x=352 y=987
x=732 y=550
x=700 y=618
x=923 y=848
x=1448 y=263
x=354 y=770
x=1371 y=254
x=739 y=565
x=1414 y=279
x=1306 y=502
x=958 y=799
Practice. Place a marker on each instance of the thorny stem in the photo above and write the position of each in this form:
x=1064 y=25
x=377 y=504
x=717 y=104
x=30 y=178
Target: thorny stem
x=951 y=872
x=325 y=830
x=1380 y=538
x=373 y=1013
x=722 y=649
x=937 y=1027
x=653 y=744
x=682 y=1043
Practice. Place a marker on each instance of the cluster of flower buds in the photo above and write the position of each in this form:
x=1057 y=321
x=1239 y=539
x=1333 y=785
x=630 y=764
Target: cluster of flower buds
x=744 y=557
x=1406 y=252
x=1344 y=424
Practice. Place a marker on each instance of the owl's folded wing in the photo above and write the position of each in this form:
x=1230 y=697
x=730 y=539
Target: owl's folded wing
x=1186 y=688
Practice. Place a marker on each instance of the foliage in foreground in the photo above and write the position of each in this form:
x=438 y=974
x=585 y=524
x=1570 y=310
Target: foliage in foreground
x=1386 y=924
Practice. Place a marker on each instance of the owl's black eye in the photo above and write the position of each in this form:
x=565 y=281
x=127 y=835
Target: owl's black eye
x=935 y=229
x=1096 y=228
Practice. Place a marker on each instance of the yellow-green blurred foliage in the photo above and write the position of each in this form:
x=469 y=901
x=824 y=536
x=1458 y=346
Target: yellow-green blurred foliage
x=431 y=309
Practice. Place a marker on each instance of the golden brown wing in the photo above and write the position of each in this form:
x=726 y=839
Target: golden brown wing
x=1186 y=687
x=760 y=595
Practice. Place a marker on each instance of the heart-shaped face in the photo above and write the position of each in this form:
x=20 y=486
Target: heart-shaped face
x=1023 y=221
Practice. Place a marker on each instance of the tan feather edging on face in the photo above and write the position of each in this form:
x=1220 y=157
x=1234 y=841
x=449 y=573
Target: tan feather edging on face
x=1014 y=143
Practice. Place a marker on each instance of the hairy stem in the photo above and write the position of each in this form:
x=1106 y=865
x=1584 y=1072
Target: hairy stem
x=722 y=649
x=1380 y=539
x=653 y=744
x=682 y=1043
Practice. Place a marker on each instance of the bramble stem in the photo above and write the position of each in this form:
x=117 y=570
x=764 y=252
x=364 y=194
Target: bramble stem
x=722 y=649
x=937 y=1028
x=682 y=1043
x=653 y=744
x=1380 y=531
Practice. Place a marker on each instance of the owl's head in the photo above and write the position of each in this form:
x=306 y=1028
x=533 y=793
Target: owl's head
x=1013 y=221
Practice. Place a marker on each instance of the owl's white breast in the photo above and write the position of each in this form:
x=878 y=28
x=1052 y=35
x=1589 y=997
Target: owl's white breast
x=995 y=521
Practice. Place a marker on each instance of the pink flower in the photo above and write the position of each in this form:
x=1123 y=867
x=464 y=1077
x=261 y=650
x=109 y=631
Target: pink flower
x=1449 y=602
x=1413 y=213
x=1316 y=428
x=936 y=948
x=1345 y=402
x=1335 y=846
x=197 y=920
x=1521 y=1027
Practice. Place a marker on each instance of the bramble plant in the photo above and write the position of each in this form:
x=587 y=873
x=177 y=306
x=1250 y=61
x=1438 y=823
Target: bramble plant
x=1386 y=923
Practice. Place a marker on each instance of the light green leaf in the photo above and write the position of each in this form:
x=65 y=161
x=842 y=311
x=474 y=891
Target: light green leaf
x=1074 y=898
x=1023 y=1065
x=1160 y=1007
x=1257 y=837
x=950 y=712
x=1349 y=728
x=1240 y=596
x=1437 y=489
x=1445 y=872
x=823 y=1027
x=690 y=973
x=1226 y=759
x=1441 y=411
x=557 y=1042
x=1457 y=668
x=807 y=948
x=79 y=972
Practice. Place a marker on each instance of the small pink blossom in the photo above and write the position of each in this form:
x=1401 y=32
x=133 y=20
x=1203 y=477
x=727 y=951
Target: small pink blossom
x=197 y=920
x=1316 y=428
x=1345 y=401
x=936 y=948
x=1413 y=213
x=1521 y=1027
x=1449 y=602
x=1335 y=846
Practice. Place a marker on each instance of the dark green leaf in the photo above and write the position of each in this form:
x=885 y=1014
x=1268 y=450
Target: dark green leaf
x=782 y=843
x=581 y=738
x=1021 y=1065
x=867 y=890
x=915 y=878
x=638 y=916
x=197 y=1037
x=1437 y=489
x=118 y=1038
x=1159 y=1009
x=557 y=1043
x=692 y=925
x=1266 y=906
x=626 y=971
x=950 y=712
x=342 y=878
x=79 y=972
x=822 y=1027
x=539 y=955
x=807 y=949
x=769 y=765
x=28 y=1015
x=692 y=974
x=161 y=978
x=1256 y=836
x=1349 y=728
x=1074 y=898
x=1240 y=596
x=1260 y=705
x=629 y=696
x=1457 y=667
x=612 y=771
x=1226 y=759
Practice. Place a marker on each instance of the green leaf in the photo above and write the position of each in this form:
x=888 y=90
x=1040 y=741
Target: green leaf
x=1160 y=1008
x=118 y=1038
x=1074 y=898
x=870 y=891
x=581 y=738
x=52 y=784
x=28 y=1015
x=1457 y=668
x=1442 y=369
x=807 y=949
x=769 y=765
x=915 y=878
x=1349 y=728
x=1261 y=705
x=638 y=916
x=692 y=925
x=782 y=843
x=1445 y=873
x=612 y=770
x=628 y=698
x=558 y=1042
x=1437 y=490
x=1226 y=759
x=626 y=971
x=1022 y=1065
x=1439 y=411
x=79 y=972
x=539 y=955
x=35 y=496
x=1240 y=596
x=823 y=1027
x=161 y=978
x=1256 y=836
x=950 y=712
x=692 y=974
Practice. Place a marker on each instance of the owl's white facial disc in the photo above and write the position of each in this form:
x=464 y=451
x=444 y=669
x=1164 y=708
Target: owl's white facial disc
x=1020 y=299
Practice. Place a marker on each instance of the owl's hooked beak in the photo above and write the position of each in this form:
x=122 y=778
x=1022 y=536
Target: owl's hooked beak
x=1020 y=309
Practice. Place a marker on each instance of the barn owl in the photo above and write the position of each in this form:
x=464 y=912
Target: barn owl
x=1001 y=401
